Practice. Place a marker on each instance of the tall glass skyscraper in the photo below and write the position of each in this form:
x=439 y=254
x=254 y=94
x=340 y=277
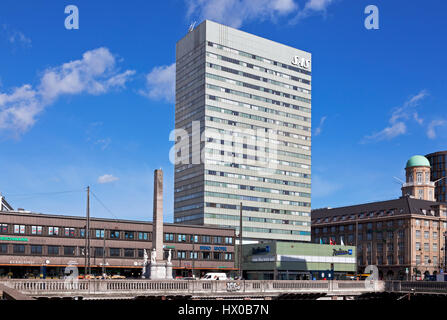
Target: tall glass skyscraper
x=438 y=161
x=243 y=133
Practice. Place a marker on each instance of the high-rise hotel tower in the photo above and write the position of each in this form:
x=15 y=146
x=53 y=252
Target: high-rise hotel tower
x=243 y=133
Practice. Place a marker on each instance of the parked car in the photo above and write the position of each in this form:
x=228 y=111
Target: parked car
x=116 y=276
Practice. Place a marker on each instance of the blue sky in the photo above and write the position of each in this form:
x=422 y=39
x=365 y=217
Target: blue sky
x=379 y=96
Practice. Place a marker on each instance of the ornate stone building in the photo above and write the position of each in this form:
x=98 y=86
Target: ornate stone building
x=404 y=238
x=418 y=182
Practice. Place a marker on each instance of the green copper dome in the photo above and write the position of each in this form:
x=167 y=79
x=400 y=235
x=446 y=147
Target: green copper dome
x=418 y=161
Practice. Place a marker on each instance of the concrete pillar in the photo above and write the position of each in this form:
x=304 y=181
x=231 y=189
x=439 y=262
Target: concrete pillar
x=157 y=228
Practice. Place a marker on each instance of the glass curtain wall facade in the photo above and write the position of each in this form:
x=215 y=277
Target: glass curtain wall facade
x=243 y=134
x=438 y=162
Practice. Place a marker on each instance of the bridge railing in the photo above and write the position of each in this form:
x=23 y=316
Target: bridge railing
x=416 y=286
x=96 y=286
x=188 y=287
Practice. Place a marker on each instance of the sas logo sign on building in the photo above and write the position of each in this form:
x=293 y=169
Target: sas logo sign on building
x=301 y=62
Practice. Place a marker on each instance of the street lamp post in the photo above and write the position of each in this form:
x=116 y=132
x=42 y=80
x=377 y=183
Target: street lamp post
x=443 y=264
x=193 y=257
x=445 y=251
x=240 y=243
x=356 y=247
x=104 y=255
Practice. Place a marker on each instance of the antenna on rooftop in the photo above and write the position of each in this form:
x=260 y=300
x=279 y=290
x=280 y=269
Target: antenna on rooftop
x=438 y=180
x=191 y=27
x=401 y=181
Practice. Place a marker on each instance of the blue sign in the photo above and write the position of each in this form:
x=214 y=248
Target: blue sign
x=341 y=252
x=260 y=250
x=220 y=248
x=205 y=247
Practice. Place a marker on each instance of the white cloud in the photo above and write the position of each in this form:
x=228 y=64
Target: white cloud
x=103 y=143
x=160 y=83
x=107 y=178
x=317 y=5
x=399 y=118
x=431 y=127
x=417 y=119
x=310 y=8
x=390 y=132
x=19 y=37
x=95 y=136
x=235 y=13
x=96 y=73
x=414 y=100
x=15 y=37
x=19 y=108
x=404 y=111
x=320 y=127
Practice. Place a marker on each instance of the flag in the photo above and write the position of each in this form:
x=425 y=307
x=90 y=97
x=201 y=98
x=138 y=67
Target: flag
x=341 y=242
x=321 y=241
x=331 y=242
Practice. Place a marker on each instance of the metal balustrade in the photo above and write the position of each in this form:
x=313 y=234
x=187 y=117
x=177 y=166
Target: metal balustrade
x=300 y=284
x=417 y=286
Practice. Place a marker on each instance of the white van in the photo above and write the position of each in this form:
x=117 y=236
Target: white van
x=215 y=276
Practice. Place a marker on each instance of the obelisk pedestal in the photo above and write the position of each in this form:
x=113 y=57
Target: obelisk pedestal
x=168 y=275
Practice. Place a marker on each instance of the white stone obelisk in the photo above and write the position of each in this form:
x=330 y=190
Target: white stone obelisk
x=159 y=268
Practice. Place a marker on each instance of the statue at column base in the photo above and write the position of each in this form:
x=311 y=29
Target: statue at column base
x=145 y=271
x=169 y=270
x=158 y=271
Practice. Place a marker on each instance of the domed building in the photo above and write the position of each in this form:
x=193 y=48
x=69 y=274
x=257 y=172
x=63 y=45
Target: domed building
x=405 y=237
x=418 y=184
